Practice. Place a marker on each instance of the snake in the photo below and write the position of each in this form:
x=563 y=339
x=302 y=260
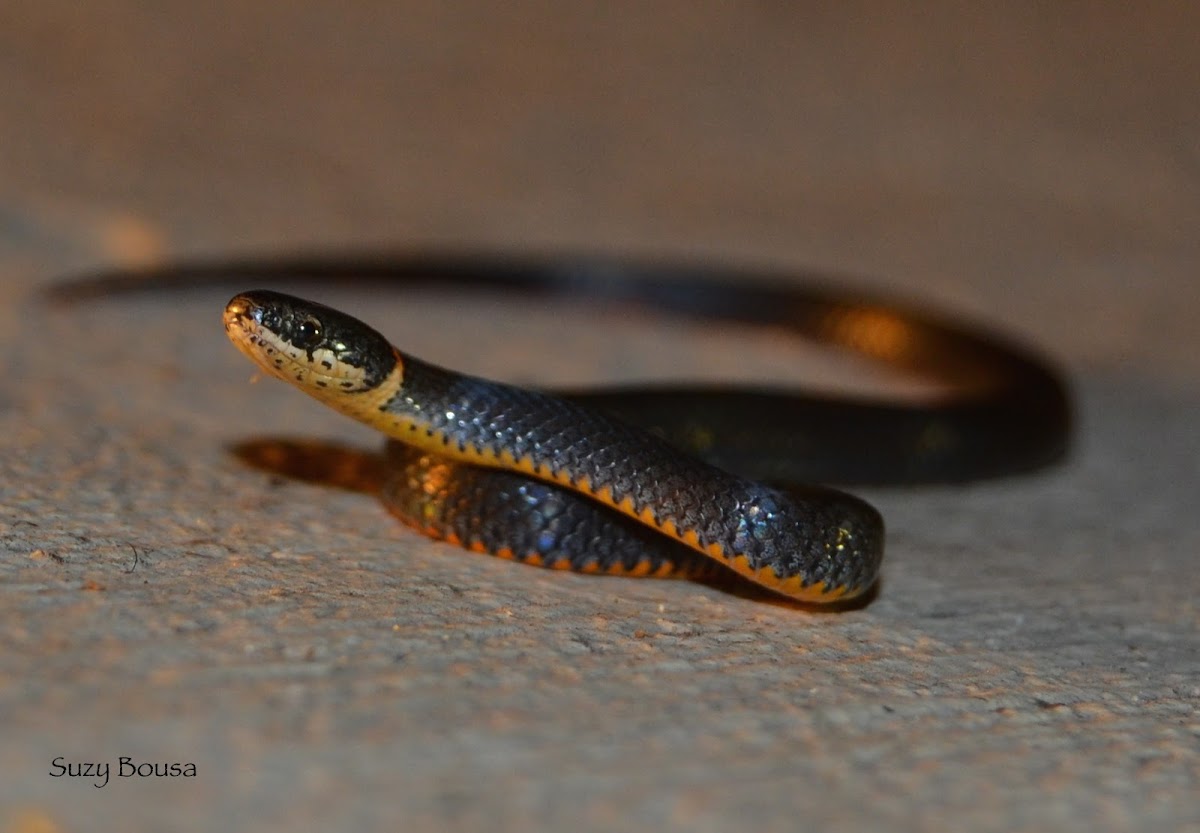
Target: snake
x=686 y=480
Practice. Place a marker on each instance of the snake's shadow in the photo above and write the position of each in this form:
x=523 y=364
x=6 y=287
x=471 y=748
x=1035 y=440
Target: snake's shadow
x=340 y=466
x=313 y=461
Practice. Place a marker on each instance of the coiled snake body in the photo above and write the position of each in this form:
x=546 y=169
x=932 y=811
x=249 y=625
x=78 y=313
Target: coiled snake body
x=614 y=481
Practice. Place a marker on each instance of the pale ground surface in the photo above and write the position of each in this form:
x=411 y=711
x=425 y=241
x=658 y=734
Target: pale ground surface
x=1032 y=660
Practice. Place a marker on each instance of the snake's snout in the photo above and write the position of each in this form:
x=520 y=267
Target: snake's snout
x=243 y=320
x=241 y=308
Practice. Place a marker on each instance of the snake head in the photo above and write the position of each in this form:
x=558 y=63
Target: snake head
x=318 y=349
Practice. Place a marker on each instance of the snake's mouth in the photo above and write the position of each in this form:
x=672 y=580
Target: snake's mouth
x=243 y=326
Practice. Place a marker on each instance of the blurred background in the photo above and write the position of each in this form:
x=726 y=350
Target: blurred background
x=1012 y=159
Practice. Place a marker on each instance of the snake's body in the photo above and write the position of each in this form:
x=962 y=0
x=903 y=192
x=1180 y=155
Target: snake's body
x=612 y=482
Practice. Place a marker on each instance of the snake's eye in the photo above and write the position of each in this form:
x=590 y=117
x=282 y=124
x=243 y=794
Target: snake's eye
x=308 y=334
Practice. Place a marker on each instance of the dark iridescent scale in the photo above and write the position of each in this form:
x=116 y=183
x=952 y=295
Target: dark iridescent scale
x=501 y=511
x=818 y=535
